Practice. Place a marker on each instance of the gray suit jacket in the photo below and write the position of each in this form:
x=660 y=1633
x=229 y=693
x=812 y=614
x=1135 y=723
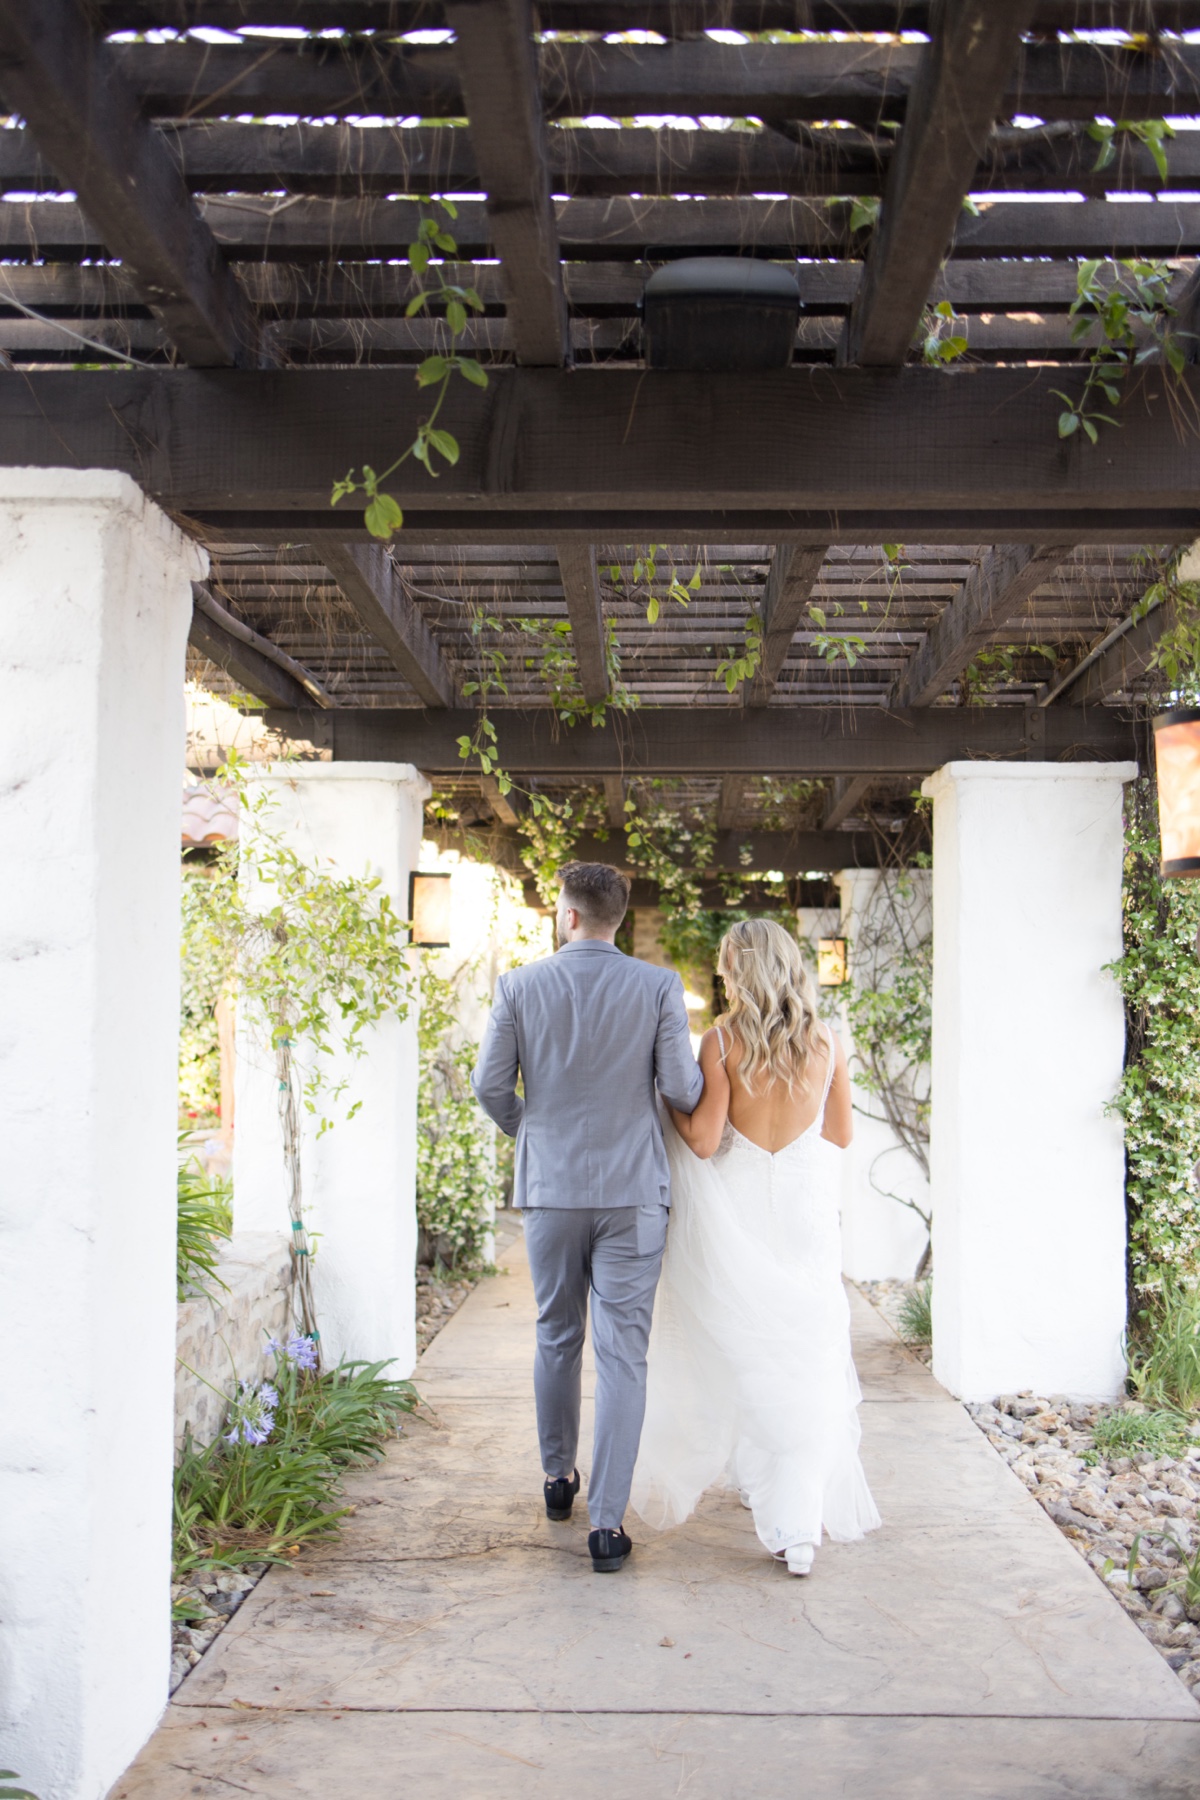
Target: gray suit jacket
x=591 y=1031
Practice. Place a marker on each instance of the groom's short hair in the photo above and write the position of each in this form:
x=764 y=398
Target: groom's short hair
x=597 y=892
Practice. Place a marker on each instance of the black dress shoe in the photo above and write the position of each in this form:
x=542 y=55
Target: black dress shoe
x=609 y=1549
x=560 y=1493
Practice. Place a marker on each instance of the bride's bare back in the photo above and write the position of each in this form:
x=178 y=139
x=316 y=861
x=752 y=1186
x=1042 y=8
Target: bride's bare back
x=773 y=1116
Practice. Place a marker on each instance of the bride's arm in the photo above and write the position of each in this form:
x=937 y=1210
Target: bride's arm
x=839 y=1108
x=701 y=1130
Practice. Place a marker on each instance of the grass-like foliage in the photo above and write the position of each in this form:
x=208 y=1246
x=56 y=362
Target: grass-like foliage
x=1126 y=1430
x=916 y=1315
x=1164 y=1358
x=205 y=1214
x=269 y=1483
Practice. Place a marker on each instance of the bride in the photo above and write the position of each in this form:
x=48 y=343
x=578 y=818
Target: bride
x=750 y=1380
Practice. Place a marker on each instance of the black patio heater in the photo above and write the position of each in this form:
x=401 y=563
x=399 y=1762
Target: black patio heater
x=720 y=313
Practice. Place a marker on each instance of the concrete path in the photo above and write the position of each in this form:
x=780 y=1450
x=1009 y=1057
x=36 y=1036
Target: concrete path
x=455 y=1644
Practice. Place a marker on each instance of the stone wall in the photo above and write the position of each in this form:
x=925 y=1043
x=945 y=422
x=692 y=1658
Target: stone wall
x=221 y=1340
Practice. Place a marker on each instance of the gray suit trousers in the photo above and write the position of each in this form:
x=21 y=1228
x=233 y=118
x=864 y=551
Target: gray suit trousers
x=615 y=1254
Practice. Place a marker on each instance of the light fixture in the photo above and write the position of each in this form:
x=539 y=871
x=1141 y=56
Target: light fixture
x=429 y=910
x=831 y=962
x=1177 y=758
x=712 y=313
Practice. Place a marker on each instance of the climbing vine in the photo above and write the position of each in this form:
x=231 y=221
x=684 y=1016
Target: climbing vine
x=458 y=1183
x=1159 y=1096
x=1133 y=316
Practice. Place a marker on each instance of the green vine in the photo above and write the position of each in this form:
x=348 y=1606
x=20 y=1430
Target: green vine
x=383 y=516
x=644 y=582
x=1153 y=133
x=1159 y=1095
x=458 y=1184
x=1134 y=318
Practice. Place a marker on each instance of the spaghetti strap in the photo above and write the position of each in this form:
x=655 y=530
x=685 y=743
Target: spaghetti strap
x=721 y=1041
x=832 y=1061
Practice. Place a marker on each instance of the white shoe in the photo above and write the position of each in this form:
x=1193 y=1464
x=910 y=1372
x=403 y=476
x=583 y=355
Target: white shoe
x=800 y=1558
x=744 y=1497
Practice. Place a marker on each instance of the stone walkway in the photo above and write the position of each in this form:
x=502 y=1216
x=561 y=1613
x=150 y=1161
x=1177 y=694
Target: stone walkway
x=455 y=1644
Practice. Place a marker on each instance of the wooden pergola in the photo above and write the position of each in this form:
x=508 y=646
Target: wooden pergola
x=207 y=213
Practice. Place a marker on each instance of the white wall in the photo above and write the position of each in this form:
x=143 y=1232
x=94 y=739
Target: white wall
x=95 y=600
x=1028 y=1036
x=360 y=1177
x=882 y=1238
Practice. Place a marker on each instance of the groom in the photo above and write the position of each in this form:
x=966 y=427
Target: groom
x=591 y=1032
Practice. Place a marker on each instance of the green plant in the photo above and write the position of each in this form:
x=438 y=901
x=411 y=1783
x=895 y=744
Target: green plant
x=14 y=1793
x=916 y=1314
x=262 y=1489
x=939 y=344
x=458 y=1183
x=550 y=828
x=1164 y=1359
x=383 y=516
x=204 y=1213
x=203 y=971
x=1187 y=1582
x=1159 y=1096
x=995 y=667
x=1125 y=1430
x=643 y=580
x=1134 y=317
x=1154 y=133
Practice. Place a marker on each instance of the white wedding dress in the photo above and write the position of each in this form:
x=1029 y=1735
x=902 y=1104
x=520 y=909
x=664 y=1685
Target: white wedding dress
x=750 y=1382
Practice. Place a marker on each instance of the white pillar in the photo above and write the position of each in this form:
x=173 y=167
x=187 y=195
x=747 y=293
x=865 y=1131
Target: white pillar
x=95 y=601
x=1028 y=1035
x=882 y=1238
x=359 y=1178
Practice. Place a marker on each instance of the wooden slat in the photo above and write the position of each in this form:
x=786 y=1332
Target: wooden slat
x=369 y=580
x=318 y=231
x=846 y=795
x=87 y=124
x=785 y=601
x=810 y=741
x=496 y=62
x=555 y=457
x=863 y=83
x=1002 y=582
x=581 y=591
x=956 y=96
x=729 y=801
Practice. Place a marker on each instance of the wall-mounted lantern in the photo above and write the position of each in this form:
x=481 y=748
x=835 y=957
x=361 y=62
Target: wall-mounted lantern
x=720 y=312
x=831 y=962
x=429 y=910
x=1177 y=757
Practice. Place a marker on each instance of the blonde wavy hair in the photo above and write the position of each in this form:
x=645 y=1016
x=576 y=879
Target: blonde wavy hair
x=772 y=1008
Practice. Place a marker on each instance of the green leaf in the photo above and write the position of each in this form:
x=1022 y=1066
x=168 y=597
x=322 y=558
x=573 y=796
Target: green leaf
x=1068 y=422
x=456 y=316
x=418 y=256
x=818 y=616
x=383 y=517
x=445 y=443
x=652 y=610
x=432 y=369
x=467 y=366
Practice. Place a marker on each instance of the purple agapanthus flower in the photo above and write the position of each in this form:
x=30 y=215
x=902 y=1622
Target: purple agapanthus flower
x=252 y=1413
x=300 y=1351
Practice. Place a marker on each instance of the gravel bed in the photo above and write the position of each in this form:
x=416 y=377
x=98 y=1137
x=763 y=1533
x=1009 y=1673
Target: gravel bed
x=438 y=1301
x=1101 y=1503
x=215 y=1598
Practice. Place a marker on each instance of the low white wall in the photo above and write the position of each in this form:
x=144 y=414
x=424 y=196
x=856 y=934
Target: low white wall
x=95 y=601
x=220 y=1338
x=1028 y=1039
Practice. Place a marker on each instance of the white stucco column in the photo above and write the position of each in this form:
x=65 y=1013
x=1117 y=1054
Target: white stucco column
x=95 y=600
x=883 y=1239
x=360 y=1177
x=1028 y=1035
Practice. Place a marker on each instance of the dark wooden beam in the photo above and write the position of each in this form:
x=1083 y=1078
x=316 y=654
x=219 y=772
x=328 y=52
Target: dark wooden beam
x=955 y=97
x=244 y=662
x=863 y=83
x=257 y=229
x=809 y=741
x=846 y=795
x=86 y=122
x=1125 y=661
x=375 y=590
x=581 y=591
x=729 y=801
x=494 y=52
x=609 y=457
x=785 y=601
x=501 y=804
x=999 y=584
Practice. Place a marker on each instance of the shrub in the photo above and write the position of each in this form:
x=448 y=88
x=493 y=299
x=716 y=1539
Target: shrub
x=1126 y=1430
x=269 y=1482
x=458 y=1181
x=1164 y=1360
x=204 y=1214
x=916 y=1315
